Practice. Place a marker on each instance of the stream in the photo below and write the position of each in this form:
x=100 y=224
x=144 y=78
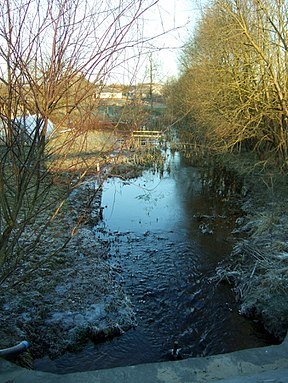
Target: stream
x=167 y=233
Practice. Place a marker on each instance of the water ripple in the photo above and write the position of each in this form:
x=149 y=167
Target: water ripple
x=166 y=263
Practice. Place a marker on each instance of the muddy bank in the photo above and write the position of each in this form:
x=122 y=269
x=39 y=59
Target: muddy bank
x=71 y=298
x=258 y=265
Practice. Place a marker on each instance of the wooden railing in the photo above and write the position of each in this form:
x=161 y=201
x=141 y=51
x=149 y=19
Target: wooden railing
x=147 y=134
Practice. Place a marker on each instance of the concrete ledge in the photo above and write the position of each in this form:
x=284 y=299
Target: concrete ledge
x=267 y=364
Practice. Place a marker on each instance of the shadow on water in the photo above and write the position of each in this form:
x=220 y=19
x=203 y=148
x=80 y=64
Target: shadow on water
x=168 y=233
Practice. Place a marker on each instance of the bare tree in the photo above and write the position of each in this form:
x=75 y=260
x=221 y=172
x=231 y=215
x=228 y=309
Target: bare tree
x=267 y=40
x=52 y=56
x=235 y=76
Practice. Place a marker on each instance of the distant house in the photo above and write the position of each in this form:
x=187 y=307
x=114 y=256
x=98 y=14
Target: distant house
x=110 y=93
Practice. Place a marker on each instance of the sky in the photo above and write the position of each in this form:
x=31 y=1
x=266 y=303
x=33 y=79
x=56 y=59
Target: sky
x=178 y=19
x=173 y=21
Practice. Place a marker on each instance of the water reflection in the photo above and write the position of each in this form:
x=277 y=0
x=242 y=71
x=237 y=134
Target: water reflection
x=166 y=264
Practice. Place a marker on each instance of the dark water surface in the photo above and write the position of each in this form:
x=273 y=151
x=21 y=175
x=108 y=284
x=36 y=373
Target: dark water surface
x=166 y=265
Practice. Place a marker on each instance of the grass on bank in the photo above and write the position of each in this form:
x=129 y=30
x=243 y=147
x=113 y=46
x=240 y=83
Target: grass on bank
x=258 y=265
x=93 y=151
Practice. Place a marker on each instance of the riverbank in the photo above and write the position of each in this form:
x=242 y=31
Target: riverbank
x=76 y=297
x=266 y=364
x=72 y=298
x=258 y=266
x=60 y=298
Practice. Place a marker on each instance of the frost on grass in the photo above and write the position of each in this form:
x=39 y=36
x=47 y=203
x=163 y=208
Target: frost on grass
x=258 y=269
x=71 y=298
